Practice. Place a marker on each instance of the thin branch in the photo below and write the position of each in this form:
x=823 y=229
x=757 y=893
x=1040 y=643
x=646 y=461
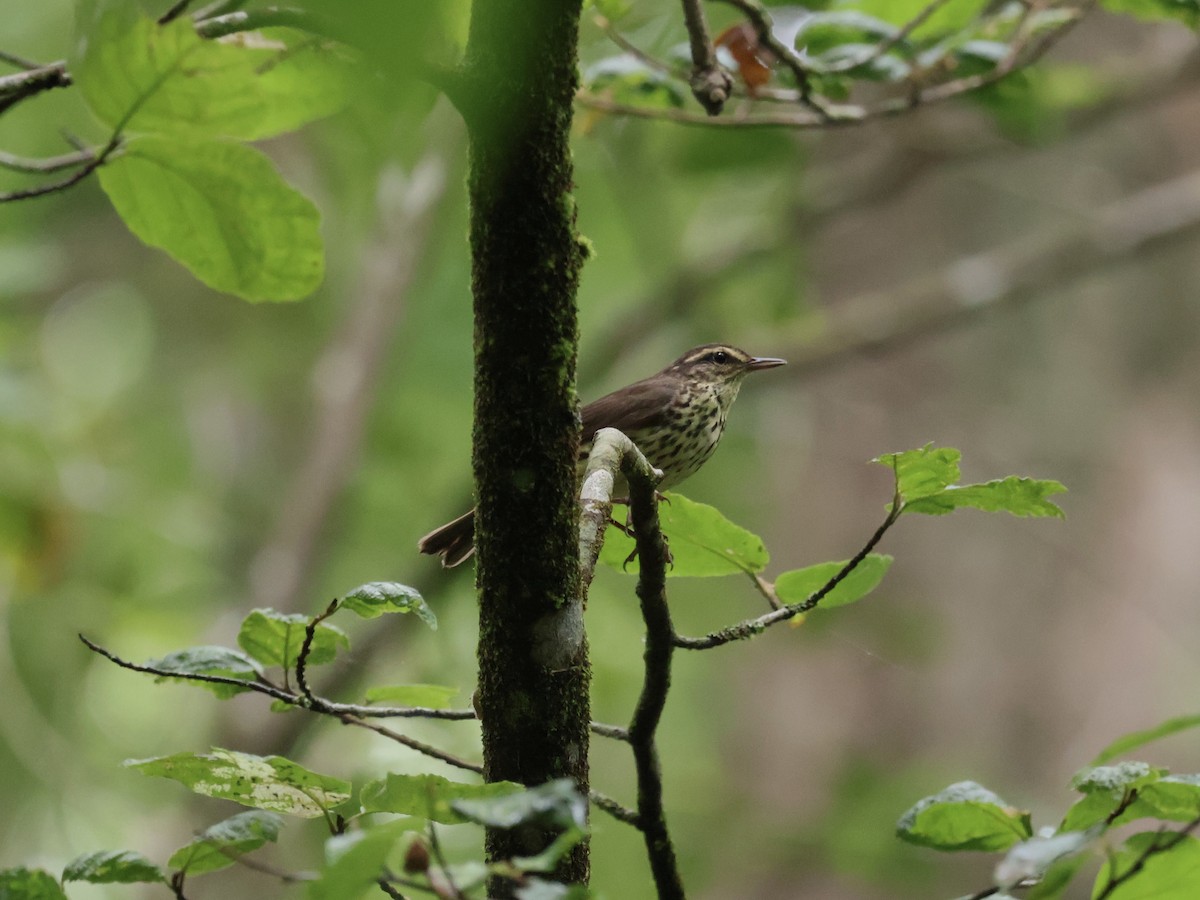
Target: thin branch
x=174 y=11
x=413 y=744
x=1161 y=844
x=618 y=811
x=616 y=732
x=710 y=83
x=48 y=164
x=19 y=61
x=887 y=44
x=646 y=59
x=310 y=632
x=749 y=628
x=25 y=84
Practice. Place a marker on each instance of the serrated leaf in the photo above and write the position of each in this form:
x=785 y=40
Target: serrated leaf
x=221 y=844
x=964 y=816
x=1136 y=739
x=264 y=782
x=702 y=541
x=555 y=804
x=1032 y=858
x=379 y=597
x=922 y=472
x=275 y=638
x=29 y=884
x=222 y=211
x=1173 y=874
x=430 y=696
x=798 y=585
x=1019 y=496
x=210 y=661
x=167 y=79
x=428 y=796
x=355 y=861
x=111 y=866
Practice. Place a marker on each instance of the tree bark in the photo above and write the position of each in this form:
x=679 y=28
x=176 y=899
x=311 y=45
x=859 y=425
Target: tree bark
x=519 y=77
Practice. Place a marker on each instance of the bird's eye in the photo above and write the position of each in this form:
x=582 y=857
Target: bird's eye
x=720 y=357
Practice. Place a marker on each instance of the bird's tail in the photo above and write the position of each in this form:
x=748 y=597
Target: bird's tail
x=454 y=542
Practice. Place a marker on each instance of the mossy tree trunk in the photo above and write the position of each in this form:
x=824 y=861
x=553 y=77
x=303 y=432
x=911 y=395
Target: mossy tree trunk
x=520 y=73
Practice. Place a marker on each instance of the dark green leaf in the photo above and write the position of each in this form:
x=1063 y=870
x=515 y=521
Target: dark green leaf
x=430 y=696
x=548 y=859
x=221 y=844
x=1019 y=496
x=223 y=211
x=263 y=782
x=556 y=804
x=167 y=79
x=379 y=597
x=702 y=541
x=29 y=884
x=964 y=816
x=798 y=585
x=113 y=866
x=1172 y=874
x=1136 y=739
x=210 y=661
x=920 y=473
x=428 y=796
x=275 y=639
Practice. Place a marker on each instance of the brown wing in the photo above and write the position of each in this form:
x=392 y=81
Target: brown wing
x=641 y=405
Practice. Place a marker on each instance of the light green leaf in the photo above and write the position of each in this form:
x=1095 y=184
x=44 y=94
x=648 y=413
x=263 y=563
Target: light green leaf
x=114 y=866
x=922 y=472
x=1186 y=11
x=355 y=861
x=264 y=782
x=379 y=597
x=1032 y=858
x=143 y=77
x=555 y=804
x=1173 y=874
x=798 y=585
x=428 y=796
x=29 y=884
x=1105 y=788
x=964 y=816
x=1019 y=496
x=1136 y=739
x=702 y=541
x=626 y=79
x=210 y=661
x=223 y=211
x=949 y=17
x=1174 y=797
x=430 y=696
x=275 y=639
x=221 y=844
x=1057 y=878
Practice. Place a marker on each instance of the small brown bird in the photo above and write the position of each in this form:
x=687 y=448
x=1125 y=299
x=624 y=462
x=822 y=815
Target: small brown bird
x=675 y=417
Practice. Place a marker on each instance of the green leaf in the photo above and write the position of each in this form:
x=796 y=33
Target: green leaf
x=430 y=696
x=221 y=844
x=1173 y=874
x=1057 y=878
x=29 y=884
x=428 y=796
x=822 y=32
x=540 y=889
x=355 y=861
x=555 y=804
x=1136 y=739
x=1186 y=11
x=379 y=597
x=626 y=79
x=210 y=661
x=142 y=77
x=964 y=816
x=275 y=639
x=1019 y=496
x=1105 y=788
x=222 y=211
x=112 y=866
x=920 y=473
x=264 y=782
x=702 y=541
x=1174 y=797
x=798 y=585
x=949 y=17
x=548 y=859
x=1032 y=858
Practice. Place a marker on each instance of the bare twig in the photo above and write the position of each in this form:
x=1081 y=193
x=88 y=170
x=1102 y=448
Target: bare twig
x=711 y=84
x=1164 y=841
x=616 y=732
x=48 y=164
x=25 y=84
x=19 y=61
x=613 y=808
x=174 y=11
x=887 y=44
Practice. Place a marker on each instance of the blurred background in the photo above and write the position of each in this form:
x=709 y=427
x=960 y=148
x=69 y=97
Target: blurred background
x=1012 y=278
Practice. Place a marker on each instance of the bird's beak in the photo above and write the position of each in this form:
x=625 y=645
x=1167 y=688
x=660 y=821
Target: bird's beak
x=765 y=362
